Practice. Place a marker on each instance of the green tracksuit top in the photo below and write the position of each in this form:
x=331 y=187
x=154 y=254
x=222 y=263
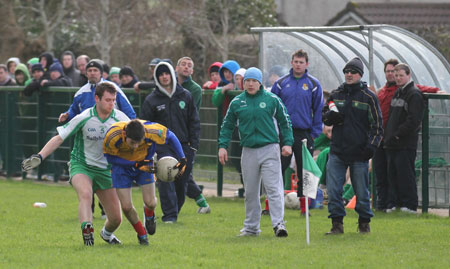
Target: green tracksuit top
x=258 y=117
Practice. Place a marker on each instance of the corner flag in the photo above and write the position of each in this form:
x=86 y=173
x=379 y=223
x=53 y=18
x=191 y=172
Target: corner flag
x=311 y=174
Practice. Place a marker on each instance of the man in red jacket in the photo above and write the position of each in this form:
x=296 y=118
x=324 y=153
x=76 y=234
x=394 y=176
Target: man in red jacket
x=385 y=95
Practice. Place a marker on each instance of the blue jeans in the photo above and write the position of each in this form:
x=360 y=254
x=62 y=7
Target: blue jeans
x=359 y=174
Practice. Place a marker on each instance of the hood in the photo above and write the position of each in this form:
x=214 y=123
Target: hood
x=68 y=52
x=217 y=66
x=172 y=74
x=49 y=58
x=13 y=59
x=231 y=65
x=24 y=69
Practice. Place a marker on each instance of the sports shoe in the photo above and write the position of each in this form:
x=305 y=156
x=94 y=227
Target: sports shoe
x=407 y=210
x=364 y=227
x=113 y=240
x=245 y=233
x=88 y=234
x=280 y=230
x=150 y=224
x=336 y=228
x=204 y=210
x=390 y=210
x=143 y=240
x=265 y=212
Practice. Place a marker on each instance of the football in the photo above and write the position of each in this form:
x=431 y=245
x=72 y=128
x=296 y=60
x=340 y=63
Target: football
x=164 y=169
x=291 y=201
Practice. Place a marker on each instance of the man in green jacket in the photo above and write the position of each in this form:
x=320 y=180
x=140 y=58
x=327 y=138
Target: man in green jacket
x=260 y=115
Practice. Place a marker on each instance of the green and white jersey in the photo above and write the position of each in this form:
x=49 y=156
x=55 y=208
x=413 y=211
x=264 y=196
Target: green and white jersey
x=90 y=131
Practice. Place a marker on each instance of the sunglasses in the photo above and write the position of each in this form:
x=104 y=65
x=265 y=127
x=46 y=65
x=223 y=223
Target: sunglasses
x=352 y=71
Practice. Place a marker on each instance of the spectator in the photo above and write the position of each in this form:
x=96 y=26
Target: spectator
x=5 y=79
x=173 y=107
x=185 y=69
x=69 y=68
x=385 y=95
x=114 y=75
x=106 y=70
x=275 y=73
x=22 y=76
x=263 y=113
x=151 y=83
x=38 y=73
x=82 y=61
x=220 y=96
x=357 y=132
x=30 y=63
x=239 y=79
x=46 y=60
x=57 y=77
x=214 y=76
x=12 y=64
x=127 y=77
x=402 y=133
x=302 y=95
x=84 y=97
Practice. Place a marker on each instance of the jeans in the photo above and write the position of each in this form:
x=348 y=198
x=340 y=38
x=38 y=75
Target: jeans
x=359 y=174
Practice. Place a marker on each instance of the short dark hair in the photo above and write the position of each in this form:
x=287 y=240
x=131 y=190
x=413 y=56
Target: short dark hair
x=391 y=61
x=300 y=54
x=135 y=130
x=104 y=86
x=403 y=66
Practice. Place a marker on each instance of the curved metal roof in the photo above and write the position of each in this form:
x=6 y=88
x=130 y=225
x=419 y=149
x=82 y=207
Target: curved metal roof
x=329 y=48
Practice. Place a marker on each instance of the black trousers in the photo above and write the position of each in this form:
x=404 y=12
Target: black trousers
x=379 y=162
x=299 y=135
x=402 y=179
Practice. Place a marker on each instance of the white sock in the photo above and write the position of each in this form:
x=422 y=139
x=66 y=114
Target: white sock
x=106 y=233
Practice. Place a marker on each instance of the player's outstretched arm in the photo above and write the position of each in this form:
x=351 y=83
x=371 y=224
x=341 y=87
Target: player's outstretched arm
x=36 y=159
x=173 y=142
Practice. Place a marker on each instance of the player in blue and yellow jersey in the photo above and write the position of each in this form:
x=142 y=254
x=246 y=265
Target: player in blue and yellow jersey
x=129 y=147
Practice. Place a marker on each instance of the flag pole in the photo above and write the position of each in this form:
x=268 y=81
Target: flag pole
x=306 y=204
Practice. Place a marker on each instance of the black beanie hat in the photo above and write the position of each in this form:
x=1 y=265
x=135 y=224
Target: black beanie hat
x=37 y=67
x=94 y=63
x=161 y=69
x=214 y=68
x=355 y=64
x=126 y=70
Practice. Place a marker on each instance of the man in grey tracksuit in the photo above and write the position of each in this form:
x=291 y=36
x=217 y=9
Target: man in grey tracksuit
x=260 y=115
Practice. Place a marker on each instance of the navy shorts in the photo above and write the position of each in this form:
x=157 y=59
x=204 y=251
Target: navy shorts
x=123 y=177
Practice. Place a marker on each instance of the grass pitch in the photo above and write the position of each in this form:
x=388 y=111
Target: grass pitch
x=51 y=237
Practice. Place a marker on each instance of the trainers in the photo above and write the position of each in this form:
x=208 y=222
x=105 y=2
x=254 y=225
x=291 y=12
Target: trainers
x=113 y=240
x=265 y=212
x=364 y=227
x=150 y=224
x=88 y=234
x=407 y=210
x=143 y=240
x=246 y=233
x=280 y=230
x=204 y=210
x=390 y=210
x=337 y=228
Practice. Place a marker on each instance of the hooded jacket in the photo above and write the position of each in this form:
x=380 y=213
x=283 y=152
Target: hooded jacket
x=49 y=57
x=213 y=85
x=72 y=72
x=218 y=97
x=405 y=117
x=175 y=110
x=12 y=59
x=23 y=68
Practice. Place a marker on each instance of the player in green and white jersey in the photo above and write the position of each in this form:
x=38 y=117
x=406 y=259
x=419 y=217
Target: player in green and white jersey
x=89 y=170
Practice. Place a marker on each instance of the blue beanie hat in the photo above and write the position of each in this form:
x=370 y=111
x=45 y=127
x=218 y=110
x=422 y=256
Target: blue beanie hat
x=253 y=73
x=56 y=67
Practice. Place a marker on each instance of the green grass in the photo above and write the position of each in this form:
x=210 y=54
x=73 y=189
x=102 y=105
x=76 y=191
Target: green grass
x=51 y=238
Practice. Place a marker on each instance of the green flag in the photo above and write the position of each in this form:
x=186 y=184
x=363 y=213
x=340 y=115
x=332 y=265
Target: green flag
x=311 y=174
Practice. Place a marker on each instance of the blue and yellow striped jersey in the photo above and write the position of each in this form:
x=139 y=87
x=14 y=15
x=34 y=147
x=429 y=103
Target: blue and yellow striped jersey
x=115 y=144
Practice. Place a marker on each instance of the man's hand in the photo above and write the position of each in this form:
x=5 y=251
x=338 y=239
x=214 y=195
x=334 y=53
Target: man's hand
x=223 y=156
x=145 y=166
x=286 y=151
x=181 y=166
x=63 y=117
x=43 y=82
x=136 y=87
x=228 y=87
x=32 y=162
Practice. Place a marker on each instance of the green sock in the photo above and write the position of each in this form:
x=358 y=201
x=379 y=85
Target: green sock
x=201 y=201
x=83 y=224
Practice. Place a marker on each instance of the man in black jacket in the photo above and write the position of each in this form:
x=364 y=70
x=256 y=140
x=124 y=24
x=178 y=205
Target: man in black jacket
x=402 y=132
x=173 y=106
x=357 y=131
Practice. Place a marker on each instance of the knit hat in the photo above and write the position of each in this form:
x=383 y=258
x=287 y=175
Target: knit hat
x=355 y=64
x=96 y=64
x=167 y=60
x=161 y=69
x=214 y=67
x=37 y=67
x=253 y=73
x=56 y=67
x=114 y=70
x=154 y=61
x=240 y=72
x=126 y=70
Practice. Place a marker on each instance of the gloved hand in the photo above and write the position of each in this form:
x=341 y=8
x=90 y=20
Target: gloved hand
x=335 y=118
x=145 y=166
x=32 y=162
x=368 y=152
x=181 y=165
